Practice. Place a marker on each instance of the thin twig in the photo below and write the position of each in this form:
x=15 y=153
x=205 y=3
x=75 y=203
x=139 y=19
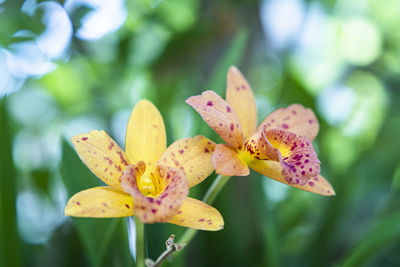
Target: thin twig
x=171 y=248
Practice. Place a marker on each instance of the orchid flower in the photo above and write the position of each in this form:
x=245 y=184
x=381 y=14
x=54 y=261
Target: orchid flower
x=148 y=180
x=280 y=148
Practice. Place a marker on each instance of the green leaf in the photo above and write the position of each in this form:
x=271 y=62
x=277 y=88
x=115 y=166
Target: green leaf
x=388 y=230
x=10 y=254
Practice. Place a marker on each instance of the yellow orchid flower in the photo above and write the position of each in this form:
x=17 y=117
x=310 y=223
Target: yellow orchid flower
x=280 y=148
x=148 y=180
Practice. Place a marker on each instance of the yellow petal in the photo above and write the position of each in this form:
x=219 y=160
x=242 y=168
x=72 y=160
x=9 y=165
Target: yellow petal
x=295 y=118
x=100 y=202
x=192 y=156
x=227 y=162
x=318 y=185
x=101 y=155
x=198 y=215
x=219 y=115
x=145 y=135
x=240 y=96
x=160 y=208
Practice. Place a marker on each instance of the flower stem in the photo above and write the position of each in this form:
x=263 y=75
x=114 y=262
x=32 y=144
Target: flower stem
x=215 y=188
x=208 y=198
x=140 y=243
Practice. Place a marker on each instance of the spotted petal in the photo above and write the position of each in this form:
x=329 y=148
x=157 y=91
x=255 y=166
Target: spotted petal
x=240 y=96
x=196 y=214
x=165 y=205
x=273 y=169
x=192 y=156
x=145 y=135
x=297 y=155
x=227 y=162
x=100 y=202
x=101 y=155
x=219 y=115
x=295 y=118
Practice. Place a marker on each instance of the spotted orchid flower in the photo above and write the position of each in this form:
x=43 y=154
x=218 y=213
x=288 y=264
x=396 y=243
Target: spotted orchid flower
x=148 y=180
x=280 y=148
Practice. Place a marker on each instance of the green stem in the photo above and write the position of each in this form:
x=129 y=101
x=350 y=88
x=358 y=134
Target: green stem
x=208 y=198
x=215 y=188
x=140 y=244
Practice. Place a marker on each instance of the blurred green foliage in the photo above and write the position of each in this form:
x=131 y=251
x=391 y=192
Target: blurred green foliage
x=341 y=59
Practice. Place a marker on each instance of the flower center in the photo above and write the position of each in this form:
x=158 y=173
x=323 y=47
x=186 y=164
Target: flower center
x=151 y=185
x=283 y=147
x=245 y=155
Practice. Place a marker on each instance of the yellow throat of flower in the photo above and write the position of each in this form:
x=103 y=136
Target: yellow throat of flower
x=245 y=156
x=151 y=185
x=283 y=148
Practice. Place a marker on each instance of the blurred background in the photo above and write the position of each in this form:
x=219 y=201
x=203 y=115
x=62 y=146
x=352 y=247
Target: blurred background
x=67 y=67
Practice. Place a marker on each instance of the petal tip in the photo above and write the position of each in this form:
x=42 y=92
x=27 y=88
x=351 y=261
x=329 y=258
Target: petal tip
x=189 y=101
x=69 y=210
x=329 y=188
x=144 y=102
x=233 y=68
x=331 y=193
x=66 y=213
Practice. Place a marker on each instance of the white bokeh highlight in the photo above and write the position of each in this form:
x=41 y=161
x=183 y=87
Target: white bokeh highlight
x=106 y=17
